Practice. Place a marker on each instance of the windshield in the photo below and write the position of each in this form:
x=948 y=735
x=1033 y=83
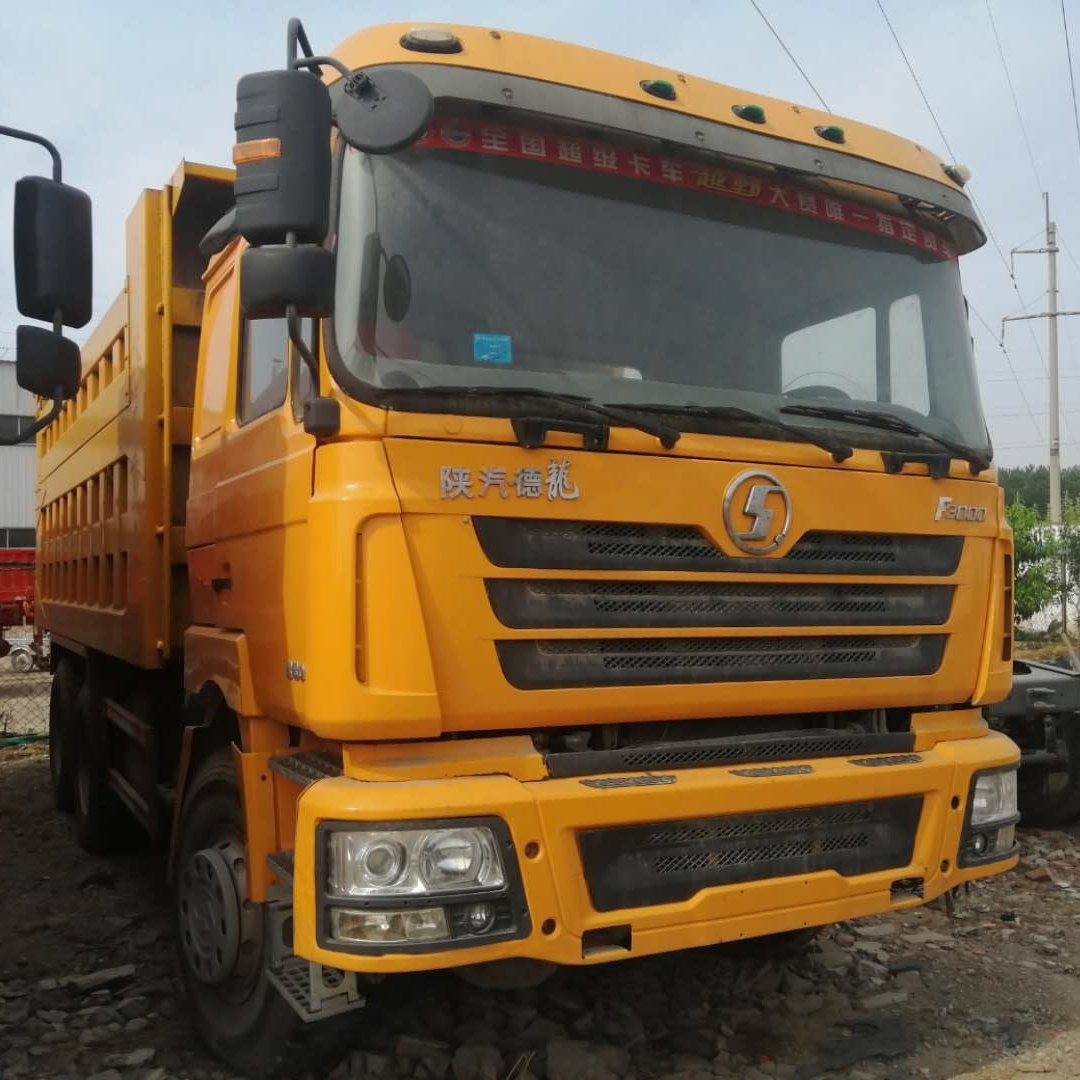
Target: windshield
x=491 y=256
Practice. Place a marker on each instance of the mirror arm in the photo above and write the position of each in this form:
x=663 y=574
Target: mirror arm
x=37 y=425
x=316 y=62
x=29 y=136
x=293 y=322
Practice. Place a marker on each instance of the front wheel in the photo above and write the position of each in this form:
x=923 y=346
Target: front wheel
x=223 y=941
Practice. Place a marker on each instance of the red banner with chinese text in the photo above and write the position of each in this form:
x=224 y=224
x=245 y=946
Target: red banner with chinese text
x=502 y=140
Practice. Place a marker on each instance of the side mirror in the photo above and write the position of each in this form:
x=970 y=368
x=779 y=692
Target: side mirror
x=282 y=157
x=384 y=112
x=276 y=277
x=46 y=363
x=53 y=251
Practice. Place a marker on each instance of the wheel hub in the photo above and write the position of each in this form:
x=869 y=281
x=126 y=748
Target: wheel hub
x=211 y=896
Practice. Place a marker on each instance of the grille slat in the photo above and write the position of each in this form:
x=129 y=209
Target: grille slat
x=548 y=664
x=535 y=604
x=639 y=865
x=595 y=545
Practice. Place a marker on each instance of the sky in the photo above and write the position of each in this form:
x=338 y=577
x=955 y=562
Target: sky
x=126 y=90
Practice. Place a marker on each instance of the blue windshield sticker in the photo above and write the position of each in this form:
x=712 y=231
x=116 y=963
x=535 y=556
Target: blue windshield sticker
x=492 y=349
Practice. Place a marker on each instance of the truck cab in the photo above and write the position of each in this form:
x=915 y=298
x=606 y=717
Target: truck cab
x=570 y=536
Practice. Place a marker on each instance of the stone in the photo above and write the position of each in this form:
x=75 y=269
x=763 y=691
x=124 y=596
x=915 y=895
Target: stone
x=133 y=1006
x=133 y=1059
x=96 y=980
x=887 y=1000
x=805 y=1004
x=692 y=1041
x=910 y=981
x=418 y=1046
x=876 y=931
x=364 y=1064
x=927 y=937
x=1040 y=873
x=570 y=1059
x=106 y=1074
x=477 y=1062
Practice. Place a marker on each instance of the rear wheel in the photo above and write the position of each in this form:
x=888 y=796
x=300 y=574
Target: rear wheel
x=223 y=941
x=63 y=721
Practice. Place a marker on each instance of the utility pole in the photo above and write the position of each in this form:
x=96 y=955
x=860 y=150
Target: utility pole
x=1054 y=404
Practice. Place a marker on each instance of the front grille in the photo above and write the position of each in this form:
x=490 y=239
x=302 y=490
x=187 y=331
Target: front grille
x=547 y=664
x=533 y=604
x=639 y=865
x=598 y=545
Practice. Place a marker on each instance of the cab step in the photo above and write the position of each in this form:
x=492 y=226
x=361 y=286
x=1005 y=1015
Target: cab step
x=307 y=767
x=314 y=990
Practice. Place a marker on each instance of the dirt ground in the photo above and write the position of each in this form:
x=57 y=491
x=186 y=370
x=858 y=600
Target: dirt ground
x=89 y=987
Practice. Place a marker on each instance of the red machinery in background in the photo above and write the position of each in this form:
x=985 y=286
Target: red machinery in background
x=16 y=591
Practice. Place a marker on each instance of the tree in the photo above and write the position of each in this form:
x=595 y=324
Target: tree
x=1036 y=559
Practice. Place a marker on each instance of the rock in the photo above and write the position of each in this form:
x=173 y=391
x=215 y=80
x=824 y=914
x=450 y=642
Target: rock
x=569 y=1059
x=876 y=931
x=1048 y=948
x=692 y=1041
x=133 y=1006
x=133 y=1059
x=1040 y=873
x=541 y=1030
x=910 y=981
x=887 y=1000
x=796 y=984
x=832 y=957
x=477 y=1062
x=364 y=1064
x=106 y=1074
x=96 y=980
x=417 y=1046
x=805 y=1004
x=927 y=937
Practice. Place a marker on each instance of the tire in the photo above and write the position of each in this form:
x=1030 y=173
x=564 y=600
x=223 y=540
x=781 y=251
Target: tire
x=242 y=1018
x=22 y=661
x=1048 y=798
x=103 y=825
x=63 y=720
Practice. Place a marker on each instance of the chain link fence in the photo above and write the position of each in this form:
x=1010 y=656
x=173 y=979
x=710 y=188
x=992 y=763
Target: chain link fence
x=24 y=685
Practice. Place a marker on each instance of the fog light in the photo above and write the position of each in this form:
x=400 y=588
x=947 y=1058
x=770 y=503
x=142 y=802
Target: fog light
x=389 y=927
x=480 y=917
x=978 y=844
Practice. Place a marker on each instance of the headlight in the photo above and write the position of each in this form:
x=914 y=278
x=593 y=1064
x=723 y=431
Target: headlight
x=413 y=862
x=994 y=798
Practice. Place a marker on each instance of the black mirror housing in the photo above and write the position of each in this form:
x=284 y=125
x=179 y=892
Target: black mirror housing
x=53 y=251
x=276 y=277
x=46 y=362
x=282 y=157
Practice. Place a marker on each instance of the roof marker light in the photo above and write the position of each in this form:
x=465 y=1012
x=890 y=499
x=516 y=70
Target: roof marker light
x=432 y=39
x=958 y=174
x=831 y=133
x=660 y=88
x=754 y=113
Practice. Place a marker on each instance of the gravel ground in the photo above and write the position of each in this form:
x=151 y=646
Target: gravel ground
x=89 y=988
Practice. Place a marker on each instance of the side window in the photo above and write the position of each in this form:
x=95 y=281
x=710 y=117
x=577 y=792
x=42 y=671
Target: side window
x=215 y=356
x=264 y=368
x=907 y=355
x=838 y=354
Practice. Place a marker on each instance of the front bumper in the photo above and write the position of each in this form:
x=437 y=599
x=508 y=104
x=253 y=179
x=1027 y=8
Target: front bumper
x=545 y=817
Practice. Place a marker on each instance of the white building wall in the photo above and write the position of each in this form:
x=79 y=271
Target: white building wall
x=17 y=463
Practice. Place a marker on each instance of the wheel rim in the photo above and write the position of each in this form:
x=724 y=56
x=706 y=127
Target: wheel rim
x=219 y=935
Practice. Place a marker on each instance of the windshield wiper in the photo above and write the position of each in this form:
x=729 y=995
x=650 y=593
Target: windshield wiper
x=889 y=422
x=534 y=435
x=839 y=449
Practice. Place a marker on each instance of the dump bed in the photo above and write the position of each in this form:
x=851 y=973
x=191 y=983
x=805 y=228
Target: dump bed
x=113 y=467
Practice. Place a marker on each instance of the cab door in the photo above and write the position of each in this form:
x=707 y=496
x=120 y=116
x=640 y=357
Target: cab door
x=255 y=484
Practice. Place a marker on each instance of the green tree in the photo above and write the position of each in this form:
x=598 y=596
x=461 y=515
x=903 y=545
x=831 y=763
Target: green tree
x=1037 y=556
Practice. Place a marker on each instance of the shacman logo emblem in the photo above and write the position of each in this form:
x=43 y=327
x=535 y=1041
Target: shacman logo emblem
x=757 y=512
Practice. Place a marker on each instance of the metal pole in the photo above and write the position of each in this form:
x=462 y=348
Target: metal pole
x=1055 y=405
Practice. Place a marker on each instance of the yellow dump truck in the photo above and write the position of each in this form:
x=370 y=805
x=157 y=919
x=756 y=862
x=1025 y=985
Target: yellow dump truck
x=536 y=511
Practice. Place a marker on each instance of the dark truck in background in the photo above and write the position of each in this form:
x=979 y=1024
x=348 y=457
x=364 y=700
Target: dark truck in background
x=1042 y=716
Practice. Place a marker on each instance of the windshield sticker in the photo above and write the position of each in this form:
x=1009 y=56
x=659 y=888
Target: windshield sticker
x=501 y=140
x=552 y=483
x=492 y=349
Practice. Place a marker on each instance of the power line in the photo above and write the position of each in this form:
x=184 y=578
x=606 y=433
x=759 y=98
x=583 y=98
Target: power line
x=1072 y=76
x=1012 y=92
x=791 y=55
